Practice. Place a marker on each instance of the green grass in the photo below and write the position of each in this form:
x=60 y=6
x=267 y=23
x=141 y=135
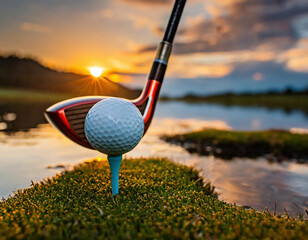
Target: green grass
x=251 y=144
x=25 y=95
x=158 y=200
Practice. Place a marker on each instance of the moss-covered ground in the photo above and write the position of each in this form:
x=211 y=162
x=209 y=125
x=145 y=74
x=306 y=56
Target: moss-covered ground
x=281 y=145
x=158 y=200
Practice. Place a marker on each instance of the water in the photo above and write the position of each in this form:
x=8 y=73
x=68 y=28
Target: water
x=28 y=146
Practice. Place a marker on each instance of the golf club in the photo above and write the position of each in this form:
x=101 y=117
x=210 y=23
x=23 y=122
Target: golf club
x=69 y=116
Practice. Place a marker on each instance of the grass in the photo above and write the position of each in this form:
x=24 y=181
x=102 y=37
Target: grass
x=158 y=200
x=281 y=144
x=25 y=95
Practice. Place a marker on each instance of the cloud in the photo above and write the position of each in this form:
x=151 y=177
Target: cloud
x=238 y=32
x=200 y=71
x=141 y=22
x=246 y=24
x=156 y=2
x=107 y=13
x=301 y=26
x=295 y=59
x=149 y=2
x=33 y=27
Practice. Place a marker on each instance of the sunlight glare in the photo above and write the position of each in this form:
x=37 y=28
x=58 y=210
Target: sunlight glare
x=96 y=71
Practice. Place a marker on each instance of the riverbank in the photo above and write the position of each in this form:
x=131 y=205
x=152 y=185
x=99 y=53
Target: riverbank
x=274 y=145
x=158 y=199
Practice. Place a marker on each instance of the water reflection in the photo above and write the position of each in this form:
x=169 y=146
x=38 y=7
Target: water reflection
x=21 y=116
x=238 y=118
x=26 y=156
x=33 y=153
x=258 y=183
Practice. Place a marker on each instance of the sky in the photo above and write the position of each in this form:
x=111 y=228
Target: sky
x=216 y=41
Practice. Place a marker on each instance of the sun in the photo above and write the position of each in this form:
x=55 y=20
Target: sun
x=96 y=71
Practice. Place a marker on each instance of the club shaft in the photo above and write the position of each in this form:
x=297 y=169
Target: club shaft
x=174 y=20
x=164 y=50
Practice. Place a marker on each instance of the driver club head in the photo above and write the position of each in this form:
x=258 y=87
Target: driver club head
x=69 y=116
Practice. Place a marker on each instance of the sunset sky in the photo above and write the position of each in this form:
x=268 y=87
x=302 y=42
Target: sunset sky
x=215 y=38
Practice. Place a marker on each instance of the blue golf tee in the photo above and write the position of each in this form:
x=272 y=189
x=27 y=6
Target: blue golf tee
x=115 y=162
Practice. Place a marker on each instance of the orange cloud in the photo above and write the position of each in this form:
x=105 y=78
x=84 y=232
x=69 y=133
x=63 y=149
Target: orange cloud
x=299 y=64
x=33 y=27
x=226 y=57
x=148 y=2
x=107 y=13
x=193 y=71
x=295 y=59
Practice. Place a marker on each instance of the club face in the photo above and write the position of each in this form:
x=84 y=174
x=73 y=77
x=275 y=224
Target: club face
x=69 y=116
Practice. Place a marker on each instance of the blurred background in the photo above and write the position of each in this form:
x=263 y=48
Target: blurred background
x=236 y=65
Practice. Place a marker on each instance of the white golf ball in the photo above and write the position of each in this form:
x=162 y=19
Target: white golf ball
x=114 y=126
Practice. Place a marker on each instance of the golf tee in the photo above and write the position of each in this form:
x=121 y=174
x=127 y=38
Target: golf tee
x=115 y=163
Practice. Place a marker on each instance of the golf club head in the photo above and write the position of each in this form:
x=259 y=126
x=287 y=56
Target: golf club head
x=69 y=116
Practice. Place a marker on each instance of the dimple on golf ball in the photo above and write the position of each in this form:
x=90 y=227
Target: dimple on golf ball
x=114 y=126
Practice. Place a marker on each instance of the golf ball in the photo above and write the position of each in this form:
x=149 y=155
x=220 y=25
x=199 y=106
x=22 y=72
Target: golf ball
x=114 y=126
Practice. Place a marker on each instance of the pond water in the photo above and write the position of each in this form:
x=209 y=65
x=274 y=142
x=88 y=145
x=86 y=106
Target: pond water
x=30 y=149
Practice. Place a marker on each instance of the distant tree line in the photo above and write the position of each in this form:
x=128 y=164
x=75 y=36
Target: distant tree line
x=272 y=92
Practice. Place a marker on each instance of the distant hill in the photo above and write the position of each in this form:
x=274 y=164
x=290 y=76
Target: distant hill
x=27 y=73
